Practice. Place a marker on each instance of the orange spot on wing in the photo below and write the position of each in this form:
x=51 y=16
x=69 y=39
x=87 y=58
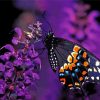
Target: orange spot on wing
x=81 y=78
x=69 y=58
x=76 y=48
x=84 y=73
x=84 y=55
x=63 y=80
x=75 y=61
x=77 y=84
x=85 y=63
x=74 y=54
x=61 y=70
x=65 y=66
x=70 y=66
x=70 y=85
x=73 y=65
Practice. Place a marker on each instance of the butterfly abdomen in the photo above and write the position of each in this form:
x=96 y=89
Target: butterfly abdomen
x=51 y=44
x=52 y=57
x=53 y=60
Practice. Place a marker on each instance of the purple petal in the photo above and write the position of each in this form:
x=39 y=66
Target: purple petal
x=27 y=80
x=32 y=53
x=9 y=47
x=14 y=40
x=18 y=62
x=20 y=89
x=9 y=65
x=19 y=32
x=2 y=91
x=37 y=61
x=13 y=96
x=28 y=62
x=20 y=93
x=35 y=76
x=2 y=67
x=8 y=74
x=6 y=56
x=2 y=86
x=28 y=96
x=27 y=73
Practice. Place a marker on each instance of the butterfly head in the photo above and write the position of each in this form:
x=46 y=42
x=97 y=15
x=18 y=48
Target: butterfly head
x=50 y=35
x=48 y=39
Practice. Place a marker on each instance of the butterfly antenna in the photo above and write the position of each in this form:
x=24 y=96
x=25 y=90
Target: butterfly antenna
x=44 y=17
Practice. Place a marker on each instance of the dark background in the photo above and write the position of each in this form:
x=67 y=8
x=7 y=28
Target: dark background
x=8 y=13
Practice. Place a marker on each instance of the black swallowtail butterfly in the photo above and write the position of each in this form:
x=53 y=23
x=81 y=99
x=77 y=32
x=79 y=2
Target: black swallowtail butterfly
x=76 y=64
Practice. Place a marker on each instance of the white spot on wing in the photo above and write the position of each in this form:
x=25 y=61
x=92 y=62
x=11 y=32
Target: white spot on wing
x=71 y=88
x=62 y=83
x=78 y=88
x=95 y=70
x=52 y=48
x=98 y=69
x=86 y=78
x=92 y=78
x=97 y=63
x=90 y=70
x=89 y=60
x=97 y=77
x=83 y=83
x=53 y=62
x=52 y=58
x=62 y=67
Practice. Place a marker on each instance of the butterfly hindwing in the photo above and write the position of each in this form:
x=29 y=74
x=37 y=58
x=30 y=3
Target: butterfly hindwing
x=75 y=62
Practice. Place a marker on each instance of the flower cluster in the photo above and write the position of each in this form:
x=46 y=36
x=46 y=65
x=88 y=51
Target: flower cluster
x=35 y=31
x=81 y=26
x=76 y=21
x=19 y=63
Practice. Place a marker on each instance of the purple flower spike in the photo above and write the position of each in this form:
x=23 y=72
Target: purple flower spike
x=80 y=26
x=17 y=68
